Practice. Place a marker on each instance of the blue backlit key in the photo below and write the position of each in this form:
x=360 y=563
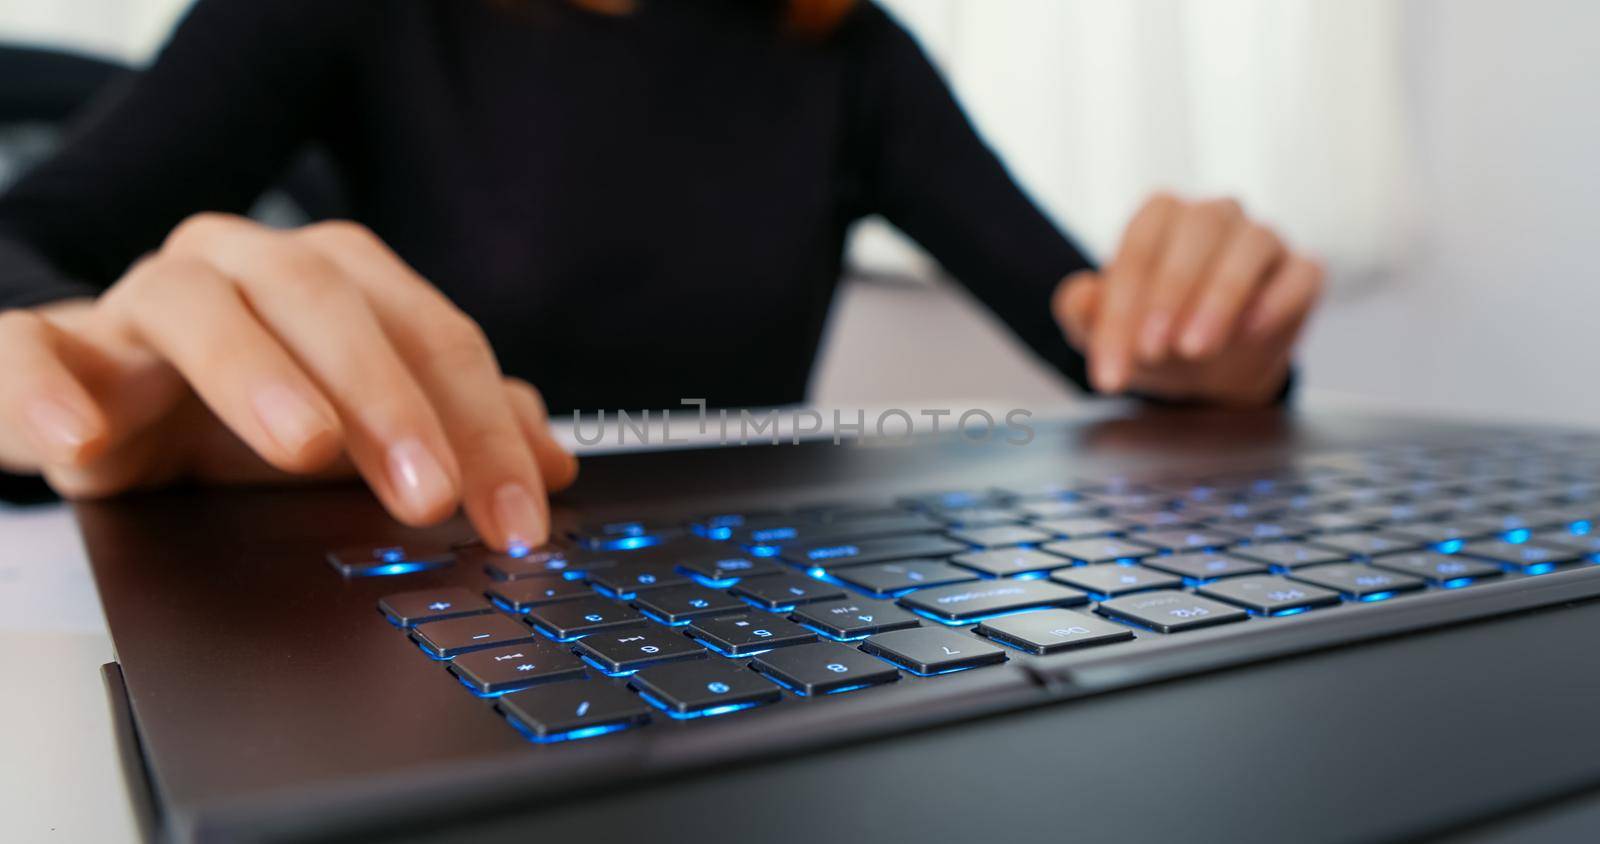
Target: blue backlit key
x=1359 y=582
x=886 y=580
x=541 y=562
x=744 y=635
x=1002 y=562
x=1098 y=550
x=853 y=619
x=623 y=651
x=387 y=560
x=871 y=550
x=569 y=711
x=456 y=636
x=682 y=604
x=979 y=517
x=1438 y=569
x=630 y=579
x=1058 y=509
x=502 y=670
x=1182 y=540
x=703 y=688
x=1201 y=566
x=529 y=592
x=1289 y=555
x=1171 y=611
x=1364 y=544
x=784 y=592
x=823 y=668
x=1081 y=527
x=408 y=609
x=1525 y=557
x=964 y=602
x=726 y=568
x=847 y=530
x=569 y=620
x=1000 y=536
x=933 y=650
x=1110 y=580
x=1270 y=595
x=1053 y=631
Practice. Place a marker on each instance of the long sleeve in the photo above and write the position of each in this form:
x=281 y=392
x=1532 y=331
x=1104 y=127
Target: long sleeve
x=929 y=173
x=210 y=125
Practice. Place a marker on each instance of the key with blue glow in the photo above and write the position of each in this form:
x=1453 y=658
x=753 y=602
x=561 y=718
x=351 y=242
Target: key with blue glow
x=387 y=560
x=1336 y=522
x=1160 y=519
x=1200 y=566
x=529 y=592
x=786 y=591
x=965 y=602
x=1098 y=550
x=682 y=604
x=823 y=668
x=408 y=609
x=569 y=620
x=1359 y=582
x=884 y=580
x=954 y=500
x=703 y=688
x=1584 y=543
x=1289 y=555
x=456 y=636
x=979 y=517
x=1438 y=569
x=1057 y=509
x=1183 y=540
x=1171 y=611
x=851 y=530
x=629 y=650
x=1435 y=533
x=725 y=568
x=1364 y=544
x=744 y=635
x=1269 y=594
x=568 y=711
x=541 y=562
x=1527 y=558
x=871 y=550
x=1003 y=562
x=1001 y=536
x=501 y=670
x=1053 y=631
x=854 y=619
x=926 y=651
x=1111 y=580
x=629 y=579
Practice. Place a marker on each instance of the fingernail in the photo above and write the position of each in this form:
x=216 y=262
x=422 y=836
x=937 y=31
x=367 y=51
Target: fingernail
x=1197 y=338
x=1153 y=336
x=288 y=418
x=58 y=425
x=418 y=477
x=517 y=516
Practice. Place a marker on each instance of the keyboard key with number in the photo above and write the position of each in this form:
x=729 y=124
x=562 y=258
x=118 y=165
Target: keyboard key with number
x=1200 y=566
x=408 y=609
x=1098 y=550
x=569 y=620
x=625 y=651
x=744 y=635
x=567 y=711
x=1000 y=562
x=962 y=602
x=1269 y=595
x=1050 y=631
x=1001 y=536
x=456 y=636
x=630 y=579
x=871 y=550
x=386 y=560
x=529 y=592
x=1529 y=559
x=695 y=689
x=1171 y=612
x=1439 y=569
x=677 y=605
x=1363 y=544
x=855 y=619
x=885 y=580
x=1108 y=580
x=932 y=650
x=1289 y=555
x=823 y=668
x=501 y=670
x=1361 y=582
x=786 y=591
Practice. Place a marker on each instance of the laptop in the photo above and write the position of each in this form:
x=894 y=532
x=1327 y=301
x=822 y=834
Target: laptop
x=1159 y=626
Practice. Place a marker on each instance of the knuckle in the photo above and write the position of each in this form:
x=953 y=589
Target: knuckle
x=197 y=229
x=21 y=325
x=345 y=233
x=453 y=337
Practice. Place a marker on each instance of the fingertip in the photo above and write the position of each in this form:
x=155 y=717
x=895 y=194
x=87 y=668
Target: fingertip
x=521 y=519
x=64 y=432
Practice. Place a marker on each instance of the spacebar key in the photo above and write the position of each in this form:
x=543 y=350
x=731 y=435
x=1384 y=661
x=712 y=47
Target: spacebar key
x=870 y=550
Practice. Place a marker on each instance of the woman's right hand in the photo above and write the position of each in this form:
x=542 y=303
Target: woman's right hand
x=239 y=353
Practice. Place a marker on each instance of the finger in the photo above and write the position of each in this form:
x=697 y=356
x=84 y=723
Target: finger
x=194 y=317
x=392 y=433
x=558 y=466
x=1244 y=265
x=1197 y=236
x=1110 y=357
x=502 y=487
x=1074 y=303
x=53 y=419
x=1287 y=298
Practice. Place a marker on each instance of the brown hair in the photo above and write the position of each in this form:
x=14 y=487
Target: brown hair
x=808 y=17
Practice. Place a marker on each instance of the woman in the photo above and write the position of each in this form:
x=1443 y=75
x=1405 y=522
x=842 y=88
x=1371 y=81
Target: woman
x=622 y=202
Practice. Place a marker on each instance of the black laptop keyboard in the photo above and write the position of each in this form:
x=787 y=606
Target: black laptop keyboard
x=634 y=620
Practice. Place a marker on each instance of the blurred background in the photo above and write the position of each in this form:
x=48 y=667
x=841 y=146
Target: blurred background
x=1443 y=156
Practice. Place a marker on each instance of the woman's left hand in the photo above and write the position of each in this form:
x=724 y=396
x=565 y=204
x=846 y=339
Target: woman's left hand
x=1201 y=303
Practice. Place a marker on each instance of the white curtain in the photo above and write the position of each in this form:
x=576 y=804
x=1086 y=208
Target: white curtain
x=126 y=29
x=1294 y=106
